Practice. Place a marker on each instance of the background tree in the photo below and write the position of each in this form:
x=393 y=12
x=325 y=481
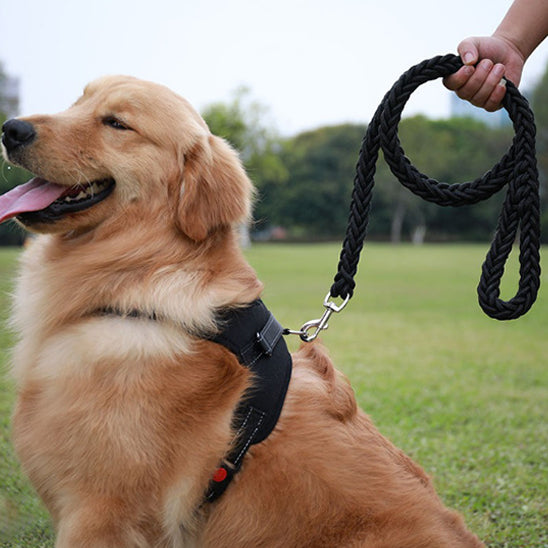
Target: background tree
x=321 y=167
x=244 y=123
x=10 y=232
x=453 y=151
x=539 y=103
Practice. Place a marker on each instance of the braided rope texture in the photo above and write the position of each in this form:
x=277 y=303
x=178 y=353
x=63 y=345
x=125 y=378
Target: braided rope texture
x=517 y=169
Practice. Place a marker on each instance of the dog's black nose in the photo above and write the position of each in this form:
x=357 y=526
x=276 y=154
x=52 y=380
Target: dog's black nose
x=16 y=133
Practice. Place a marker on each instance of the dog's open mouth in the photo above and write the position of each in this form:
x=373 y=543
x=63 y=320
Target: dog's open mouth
x=45 y=202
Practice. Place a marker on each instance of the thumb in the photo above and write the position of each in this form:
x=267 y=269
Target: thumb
x=468 y=51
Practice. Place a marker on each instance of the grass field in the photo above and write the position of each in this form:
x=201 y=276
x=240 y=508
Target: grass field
x=464 y=395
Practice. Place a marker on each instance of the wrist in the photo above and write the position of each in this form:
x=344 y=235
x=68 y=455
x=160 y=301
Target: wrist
x=524 y=26
x=518 y=47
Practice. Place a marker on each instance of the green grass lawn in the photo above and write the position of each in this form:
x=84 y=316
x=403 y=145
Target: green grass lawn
x=464 y=395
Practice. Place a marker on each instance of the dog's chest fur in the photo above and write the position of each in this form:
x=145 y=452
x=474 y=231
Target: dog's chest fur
x=107 y=405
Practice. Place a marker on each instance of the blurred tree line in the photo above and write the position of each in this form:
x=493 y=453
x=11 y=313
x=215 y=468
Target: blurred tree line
x=305 y=181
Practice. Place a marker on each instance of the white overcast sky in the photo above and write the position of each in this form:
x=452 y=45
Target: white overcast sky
x=311 y=62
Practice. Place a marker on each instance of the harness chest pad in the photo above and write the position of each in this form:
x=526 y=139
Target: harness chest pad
x=254 y=336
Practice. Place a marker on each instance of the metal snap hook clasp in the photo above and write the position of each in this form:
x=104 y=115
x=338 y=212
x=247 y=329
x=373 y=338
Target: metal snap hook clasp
x=311 y=329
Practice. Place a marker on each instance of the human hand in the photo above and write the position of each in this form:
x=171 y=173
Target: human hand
x=487 y=59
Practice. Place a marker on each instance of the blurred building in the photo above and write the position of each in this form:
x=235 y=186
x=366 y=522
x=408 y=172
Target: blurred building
x=9 y=96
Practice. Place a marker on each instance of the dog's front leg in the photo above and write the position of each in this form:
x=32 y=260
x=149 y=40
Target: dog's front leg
x=104 y=524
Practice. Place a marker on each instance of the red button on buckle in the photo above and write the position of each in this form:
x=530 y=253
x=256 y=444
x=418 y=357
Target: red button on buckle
x=220 y=475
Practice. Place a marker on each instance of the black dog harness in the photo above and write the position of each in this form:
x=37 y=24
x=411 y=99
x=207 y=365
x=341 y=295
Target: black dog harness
x=255 y=337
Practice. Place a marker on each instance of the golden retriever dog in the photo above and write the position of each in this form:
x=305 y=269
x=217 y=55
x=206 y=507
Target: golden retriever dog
x=125 y=404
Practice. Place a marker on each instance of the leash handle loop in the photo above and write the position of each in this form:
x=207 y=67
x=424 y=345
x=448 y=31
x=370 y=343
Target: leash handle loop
x=517 y=169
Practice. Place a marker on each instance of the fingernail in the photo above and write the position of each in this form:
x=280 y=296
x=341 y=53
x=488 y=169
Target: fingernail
x=468 y=58
x=498 y=69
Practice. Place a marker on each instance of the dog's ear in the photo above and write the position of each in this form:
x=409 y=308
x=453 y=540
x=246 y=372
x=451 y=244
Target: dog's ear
x=215 y=192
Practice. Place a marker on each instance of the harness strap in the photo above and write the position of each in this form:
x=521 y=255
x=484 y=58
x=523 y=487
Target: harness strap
x=255 y=337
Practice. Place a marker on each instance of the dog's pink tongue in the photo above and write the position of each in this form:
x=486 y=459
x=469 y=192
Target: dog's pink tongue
x=32 y=196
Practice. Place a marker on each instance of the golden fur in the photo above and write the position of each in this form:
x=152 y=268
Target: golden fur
x=120 y=422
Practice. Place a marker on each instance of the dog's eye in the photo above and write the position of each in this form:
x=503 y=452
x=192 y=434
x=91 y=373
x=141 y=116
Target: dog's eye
x=115 y=123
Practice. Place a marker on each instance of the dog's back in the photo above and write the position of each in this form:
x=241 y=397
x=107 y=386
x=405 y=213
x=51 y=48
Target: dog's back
x=327 y=478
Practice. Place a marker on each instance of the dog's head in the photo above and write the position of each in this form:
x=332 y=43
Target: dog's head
x=126 y=146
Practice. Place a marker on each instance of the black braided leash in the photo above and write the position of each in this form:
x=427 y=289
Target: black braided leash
x=517 y=169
